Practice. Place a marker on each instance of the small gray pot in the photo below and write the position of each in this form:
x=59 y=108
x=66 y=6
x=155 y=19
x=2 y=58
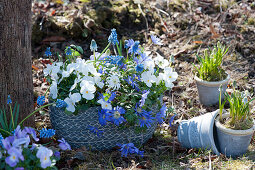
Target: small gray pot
x=209 y=91
x=198 y=132
x=232 y=143
x=74 y=129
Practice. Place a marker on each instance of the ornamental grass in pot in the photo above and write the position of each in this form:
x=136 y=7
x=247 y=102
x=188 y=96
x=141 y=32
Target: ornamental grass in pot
x=210 y=75
x=235 y=127
x=110 y=98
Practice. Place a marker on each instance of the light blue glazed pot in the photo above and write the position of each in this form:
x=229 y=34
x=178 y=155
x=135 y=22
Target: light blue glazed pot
x=209 y=91
x=232 y=143
x=199 y=132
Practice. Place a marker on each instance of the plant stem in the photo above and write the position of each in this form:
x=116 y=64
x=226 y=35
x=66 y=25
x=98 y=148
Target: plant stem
x=35 y=112
x=12 y=116
x=104 y=49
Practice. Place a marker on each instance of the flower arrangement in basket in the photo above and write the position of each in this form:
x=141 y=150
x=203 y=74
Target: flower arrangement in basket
x=126 y=86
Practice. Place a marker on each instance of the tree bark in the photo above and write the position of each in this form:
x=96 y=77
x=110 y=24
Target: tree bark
x=15 y=55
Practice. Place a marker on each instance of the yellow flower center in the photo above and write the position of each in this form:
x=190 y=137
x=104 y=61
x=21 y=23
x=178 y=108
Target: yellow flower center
x=139 y=110
x=106 y=105
x=13 y=157
x=87 y=92
x=148 y=81
x=143 y=118
x=170 y=76
x=45 y=158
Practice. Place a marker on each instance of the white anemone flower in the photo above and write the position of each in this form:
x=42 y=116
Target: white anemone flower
x=161 y=62
x=71 y=100
x=54 y=90
x=113 y=82
x=105 y=105
x=169 y=77
x=148 y=78
x=87 y=90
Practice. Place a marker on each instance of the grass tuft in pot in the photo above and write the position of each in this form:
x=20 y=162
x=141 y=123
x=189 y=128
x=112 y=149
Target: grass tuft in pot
x=239 y=111
x=210 y=64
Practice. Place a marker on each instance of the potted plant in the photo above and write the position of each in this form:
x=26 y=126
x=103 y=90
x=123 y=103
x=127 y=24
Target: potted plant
x=110 y=99
x=235 y=127
x=210 y=75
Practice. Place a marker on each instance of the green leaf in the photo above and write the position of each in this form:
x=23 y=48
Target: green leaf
x=16 y=117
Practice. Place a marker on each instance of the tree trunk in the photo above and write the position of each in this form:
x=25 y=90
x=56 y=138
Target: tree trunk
x=15 y=55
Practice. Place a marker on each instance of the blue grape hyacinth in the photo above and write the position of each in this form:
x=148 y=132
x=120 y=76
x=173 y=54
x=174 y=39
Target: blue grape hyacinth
x=113 y=37
x=46 y=133
x=60 y=103
x=128 y=149
x=40 y=100
x=9 y=100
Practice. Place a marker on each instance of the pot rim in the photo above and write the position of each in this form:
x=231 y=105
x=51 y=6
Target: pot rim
x=232 y=131
x=212 y=83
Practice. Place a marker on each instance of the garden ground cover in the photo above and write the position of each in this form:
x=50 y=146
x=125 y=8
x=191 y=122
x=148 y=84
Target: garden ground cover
x=186 y=28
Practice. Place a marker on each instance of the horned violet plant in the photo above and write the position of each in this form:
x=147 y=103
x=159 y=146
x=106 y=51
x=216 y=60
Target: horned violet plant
x=127 y=87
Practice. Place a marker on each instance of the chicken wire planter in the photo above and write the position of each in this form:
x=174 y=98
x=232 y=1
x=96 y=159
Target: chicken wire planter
x=74 y=129
x=209 y=91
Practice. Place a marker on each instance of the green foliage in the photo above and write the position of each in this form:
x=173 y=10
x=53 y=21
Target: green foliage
x=210 y=64
x=239 y=109
x=7 y=128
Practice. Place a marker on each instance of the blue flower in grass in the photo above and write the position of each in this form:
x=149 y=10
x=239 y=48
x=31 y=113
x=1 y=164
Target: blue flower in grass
x=128 y=149
x=95 y=130
x=156 y=40
x=40 y=100
x=129 y=43
x=46 y=133
x=47 y=52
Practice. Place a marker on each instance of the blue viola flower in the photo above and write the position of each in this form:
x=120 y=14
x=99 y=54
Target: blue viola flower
x=116 y=115
x=60 y=103
x=69 y=51
x=1 y=137
x=93 y=45
x=129 y=43
x=63 y=145
x=9 y=100
x=47 y=52
x=40 y=100
x=156 y=40
x=139 y=67
x=95 y=130
x=171 y=120
x=46 y=133
x=128 y=149
x=146 y=119
x=57 y=154
x=134 y=49
x=144 y=97
x=113 y=37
